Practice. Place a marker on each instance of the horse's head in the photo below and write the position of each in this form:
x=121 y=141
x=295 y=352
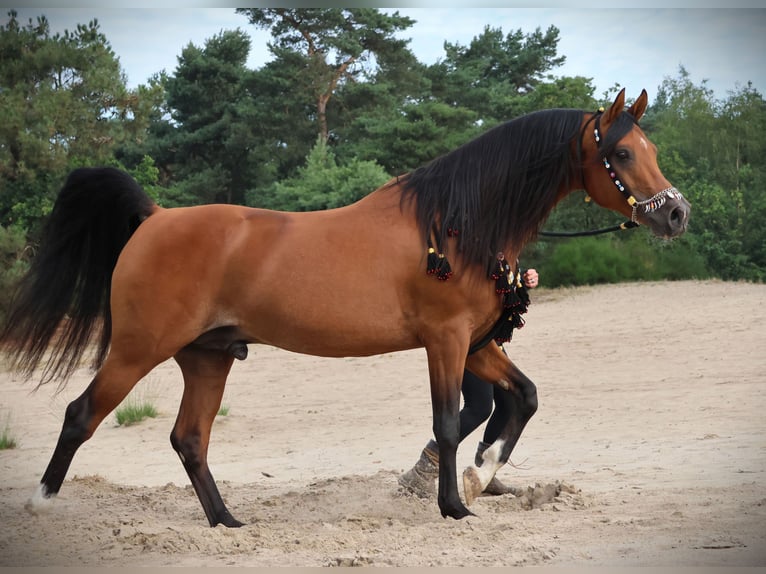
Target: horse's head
x=620 y=170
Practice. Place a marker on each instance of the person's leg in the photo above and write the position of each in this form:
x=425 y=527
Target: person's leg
x=495 y=426
x=477 y=403
x=477 y=407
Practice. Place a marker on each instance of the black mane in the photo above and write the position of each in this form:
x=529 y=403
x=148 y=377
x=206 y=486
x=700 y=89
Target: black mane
x=498 y=188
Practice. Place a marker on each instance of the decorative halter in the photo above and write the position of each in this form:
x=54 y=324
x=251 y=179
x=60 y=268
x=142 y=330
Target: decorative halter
x=648 y=205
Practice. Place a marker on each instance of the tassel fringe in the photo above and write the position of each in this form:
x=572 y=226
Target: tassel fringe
x=515 y=300
x=438 y=265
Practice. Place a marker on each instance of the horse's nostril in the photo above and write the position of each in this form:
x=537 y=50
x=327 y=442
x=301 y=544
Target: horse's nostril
x=678 y=218
x=680 y=214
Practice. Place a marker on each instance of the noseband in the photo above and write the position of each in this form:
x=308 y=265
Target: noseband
x=648 y=205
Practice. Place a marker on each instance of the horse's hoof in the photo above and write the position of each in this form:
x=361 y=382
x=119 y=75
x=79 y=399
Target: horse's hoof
x=457 y=511
x=40 y=502
x=471 y=485
x=228 y=521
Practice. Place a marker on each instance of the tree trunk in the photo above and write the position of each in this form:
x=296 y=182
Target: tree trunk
x=324 y=132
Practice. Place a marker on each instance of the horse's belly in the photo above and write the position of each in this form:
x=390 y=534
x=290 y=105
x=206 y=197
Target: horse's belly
x=328 y=321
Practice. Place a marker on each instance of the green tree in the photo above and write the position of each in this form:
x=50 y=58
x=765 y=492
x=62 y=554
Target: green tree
x=493 y=79
x=405 y=138
x=492 y=73
x=64 y=102
x=323 y=184
x=206 y=151
x=334 y=45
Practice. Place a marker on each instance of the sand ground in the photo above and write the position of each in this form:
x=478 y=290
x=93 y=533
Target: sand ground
x=648 y=449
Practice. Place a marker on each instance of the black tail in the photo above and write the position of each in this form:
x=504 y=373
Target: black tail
x=63 y=300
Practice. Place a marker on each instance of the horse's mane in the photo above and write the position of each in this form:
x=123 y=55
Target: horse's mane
x=498 y=188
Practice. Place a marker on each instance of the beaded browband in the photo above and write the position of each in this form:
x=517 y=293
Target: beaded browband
x=648 y=205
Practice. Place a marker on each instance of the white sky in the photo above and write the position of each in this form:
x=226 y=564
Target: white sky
x=634 y=48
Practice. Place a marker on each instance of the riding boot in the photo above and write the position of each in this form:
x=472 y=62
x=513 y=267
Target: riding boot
x=421 y=478
x=495 y=487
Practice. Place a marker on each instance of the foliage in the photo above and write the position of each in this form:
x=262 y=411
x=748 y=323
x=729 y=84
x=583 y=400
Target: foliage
x=412 y=137
x=490 y=75
x=64 y=101
x=204 y=153
x=13 y=264
x=718 y=161
x=593 y=260
x=323 y=184
x=332 y=46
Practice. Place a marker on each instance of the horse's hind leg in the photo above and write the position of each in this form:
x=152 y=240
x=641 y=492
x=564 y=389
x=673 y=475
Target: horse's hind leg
x=205 y=373
x=109 y=387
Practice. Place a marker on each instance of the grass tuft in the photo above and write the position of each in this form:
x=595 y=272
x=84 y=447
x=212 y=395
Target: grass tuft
x=133 y=411
x=223 y=411
x=7 y=440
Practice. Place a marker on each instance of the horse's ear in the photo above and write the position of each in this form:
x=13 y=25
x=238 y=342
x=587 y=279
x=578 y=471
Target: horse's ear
x=639 y=106
x=615 y=109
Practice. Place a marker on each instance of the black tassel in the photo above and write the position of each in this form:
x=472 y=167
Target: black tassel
x=516 y=303
x=444 y=269
x=505 y=330
x=433 y=261
x=438 y=265
x=511 y=299
x=523 y=294
x=518 y=298
x=500 y=275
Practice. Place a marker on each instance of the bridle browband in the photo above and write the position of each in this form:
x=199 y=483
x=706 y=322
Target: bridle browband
x=648 y=205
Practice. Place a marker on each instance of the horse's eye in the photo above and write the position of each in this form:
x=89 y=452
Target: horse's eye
x=622 y=154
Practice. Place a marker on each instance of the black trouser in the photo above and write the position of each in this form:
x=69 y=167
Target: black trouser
x=478 y=397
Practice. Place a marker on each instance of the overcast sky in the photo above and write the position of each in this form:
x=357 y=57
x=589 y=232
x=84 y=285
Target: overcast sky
x=635 y=48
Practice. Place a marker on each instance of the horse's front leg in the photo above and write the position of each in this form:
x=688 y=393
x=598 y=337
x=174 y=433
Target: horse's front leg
x=445 y=367
x=519 y=397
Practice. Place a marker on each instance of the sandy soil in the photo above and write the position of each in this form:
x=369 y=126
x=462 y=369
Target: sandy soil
x=649 y=448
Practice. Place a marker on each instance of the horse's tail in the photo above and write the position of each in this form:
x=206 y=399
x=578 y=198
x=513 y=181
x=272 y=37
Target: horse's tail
x=63 y=300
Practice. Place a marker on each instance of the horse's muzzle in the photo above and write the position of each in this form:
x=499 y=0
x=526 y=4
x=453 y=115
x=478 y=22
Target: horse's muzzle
x=671 y=220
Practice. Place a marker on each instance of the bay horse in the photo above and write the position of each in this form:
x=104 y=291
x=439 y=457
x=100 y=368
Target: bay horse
x=140 y=284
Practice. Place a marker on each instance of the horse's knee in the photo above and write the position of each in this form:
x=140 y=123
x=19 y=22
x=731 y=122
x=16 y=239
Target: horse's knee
x=529 y=395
